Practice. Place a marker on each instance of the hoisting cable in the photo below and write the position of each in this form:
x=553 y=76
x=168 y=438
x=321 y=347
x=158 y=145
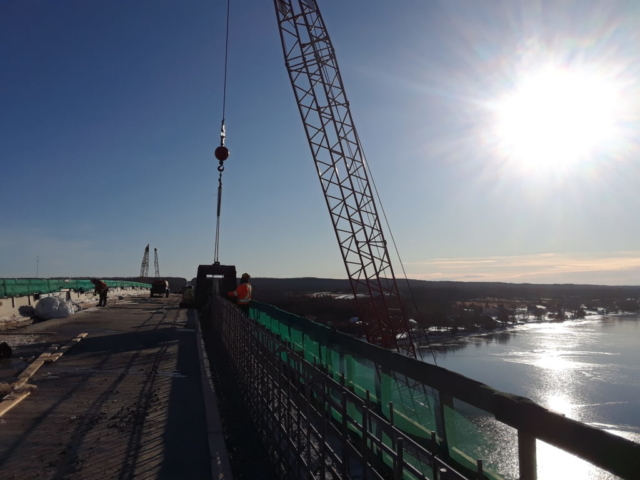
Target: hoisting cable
x=386 y=220
x=226 y=61
x=222 y=152
x=395 y=246
x=217 y=247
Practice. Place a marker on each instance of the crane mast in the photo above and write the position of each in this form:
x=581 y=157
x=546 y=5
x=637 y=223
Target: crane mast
x=155 y=262
x=317 y=84
x=144 y=267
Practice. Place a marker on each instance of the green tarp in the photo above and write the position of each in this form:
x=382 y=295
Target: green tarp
x=463 y=433
x=18 y=287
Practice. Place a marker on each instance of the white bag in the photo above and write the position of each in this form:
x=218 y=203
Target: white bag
x=53 y=307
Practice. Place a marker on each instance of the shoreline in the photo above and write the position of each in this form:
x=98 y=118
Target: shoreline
x=443 y=337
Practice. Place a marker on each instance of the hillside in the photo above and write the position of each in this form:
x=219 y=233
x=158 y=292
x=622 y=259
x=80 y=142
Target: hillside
x=446 y=304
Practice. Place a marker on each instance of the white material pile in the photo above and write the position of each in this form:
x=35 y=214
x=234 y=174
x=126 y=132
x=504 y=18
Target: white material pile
x=53 y=307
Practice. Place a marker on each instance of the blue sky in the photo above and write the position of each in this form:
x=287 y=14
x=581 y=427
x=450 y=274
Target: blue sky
x=110 y=113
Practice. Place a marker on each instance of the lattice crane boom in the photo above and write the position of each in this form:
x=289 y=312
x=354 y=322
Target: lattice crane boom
x=155 y=262
x=317 y=84
x=144 y=268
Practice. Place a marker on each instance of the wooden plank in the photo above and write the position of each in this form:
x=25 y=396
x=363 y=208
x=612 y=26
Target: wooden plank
x=11 y=401
x=28 y=372
x=51 y=354
x=54 y=357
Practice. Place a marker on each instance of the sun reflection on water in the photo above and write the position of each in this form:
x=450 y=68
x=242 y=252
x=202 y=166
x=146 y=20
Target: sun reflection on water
x=560 y=403
x=555 y=362
x=585 y=370
x=556 y=464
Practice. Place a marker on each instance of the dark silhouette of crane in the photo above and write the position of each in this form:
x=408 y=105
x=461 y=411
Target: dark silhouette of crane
x=317 y=84
x=144 y=268
x=155 y=262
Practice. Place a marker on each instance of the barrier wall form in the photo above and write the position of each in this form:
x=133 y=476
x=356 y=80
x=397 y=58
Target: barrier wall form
x=327 y=406
x=20 y=287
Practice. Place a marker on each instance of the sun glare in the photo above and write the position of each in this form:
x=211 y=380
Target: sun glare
x=557 y=117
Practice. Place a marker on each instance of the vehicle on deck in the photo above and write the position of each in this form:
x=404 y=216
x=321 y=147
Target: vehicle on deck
x=159 y=287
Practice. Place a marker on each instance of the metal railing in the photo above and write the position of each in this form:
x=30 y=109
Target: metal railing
x=315 y=423
x=303 y=415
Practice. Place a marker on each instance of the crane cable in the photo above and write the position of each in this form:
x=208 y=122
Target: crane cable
x=384 y=214
x=223 y=136
x=216 y=260
x=386 y=220
x=395 y=246
x=226 y=61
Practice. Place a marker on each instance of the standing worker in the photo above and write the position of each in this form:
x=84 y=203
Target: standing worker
x=101 y=289
x=243 y=293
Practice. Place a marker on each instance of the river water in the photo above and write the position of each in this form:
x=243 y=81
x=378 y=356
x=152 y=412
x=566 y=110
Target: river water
x=587 y=369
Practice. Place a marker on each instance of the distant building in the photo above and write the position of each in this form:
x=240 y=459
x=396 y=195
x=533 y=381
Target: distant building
x=349 y=296
x=320 y=294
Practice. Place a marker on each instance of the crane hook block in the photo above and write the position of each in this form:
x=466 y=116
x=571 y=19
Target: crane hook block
x=222 y=153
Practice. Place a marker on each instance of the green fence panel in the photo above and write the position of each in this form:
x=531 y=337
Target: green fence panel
x=415 y=406
x=337 y=364
x=15 y=287
x=297 y=339
x=473 y=434
x=56 y=285
x=10 y=286
x=18 y=287
x=364 y=377
x=85 y=286
x=7 y=286
x=311 y=350
x=77 y=285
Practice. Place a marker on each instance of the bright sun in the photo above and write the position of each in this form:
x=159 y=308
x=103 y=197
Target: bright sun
x=557 y=117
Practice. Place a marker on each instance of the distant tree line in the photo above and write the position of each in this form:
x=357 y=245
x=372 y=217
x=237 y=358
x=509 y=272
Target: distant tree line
x=174 y=282
x=449 y=305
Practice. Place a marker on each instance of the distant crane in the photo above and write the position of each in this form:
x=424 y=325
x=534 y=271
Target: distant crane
x=144 y=268
x=156 y=264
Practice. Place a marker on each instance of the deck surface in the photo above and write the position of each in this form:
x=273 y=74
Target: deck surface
x=125 y=402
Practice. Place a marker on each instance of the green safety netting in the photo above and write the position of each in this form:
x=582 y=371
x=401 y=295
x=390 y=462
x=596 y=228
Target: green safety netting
x=17 y=287
x=464 y=432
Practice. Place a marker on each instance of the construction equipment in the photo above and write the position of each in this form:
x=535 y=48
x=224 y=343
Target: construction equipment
x=340 y=163
x=160 y=288
x=214 y=279
x=144 y=268
x=155 y=262
x=342 y=170
x=341 y=166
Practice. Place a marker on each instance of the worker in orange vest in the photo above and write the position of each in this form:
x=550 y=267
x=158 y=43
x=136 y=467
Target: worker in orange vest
x=101 y=289
x=243 y=293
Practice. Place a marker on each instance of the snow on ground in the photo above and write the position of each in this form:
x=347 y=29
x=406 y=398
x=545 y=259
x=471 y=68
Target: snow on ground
x=10 y=322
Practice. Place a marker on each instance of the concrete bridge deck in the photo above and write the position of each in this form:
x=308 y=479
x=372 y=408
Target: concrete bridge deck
x=126 y=402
